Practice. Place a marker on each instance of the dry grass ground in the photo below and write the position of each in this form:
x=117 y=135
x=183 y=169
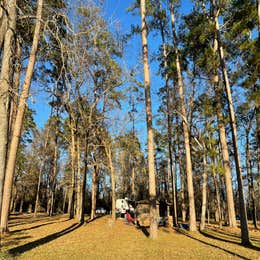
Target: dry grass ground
x=59 y=238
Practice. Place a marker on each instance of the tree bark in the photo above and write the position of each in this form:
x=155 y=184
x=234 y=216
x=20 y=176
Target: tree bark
x=19 y=121
x=152 y=182
x=242 y=208
x=3 y=23
x=192 y=213
x=5 y=83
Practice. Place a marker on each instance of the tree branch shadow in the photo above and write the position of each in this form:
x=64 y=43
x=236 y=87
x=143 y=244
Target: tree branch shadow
x=23 y=248
x=213 y=245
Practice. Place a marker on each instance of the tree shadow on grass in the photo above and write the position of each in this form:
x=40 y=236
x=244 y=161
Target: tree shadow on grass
x=232 y=234
x=23 y=248
x=213 y=245
x=256 y=248
x=95 y=218
x=143 y=229
x=37 y=226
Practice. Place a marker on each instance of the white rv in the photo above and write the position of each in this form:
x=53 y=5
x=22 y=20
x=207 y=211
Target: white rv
x=122 y=205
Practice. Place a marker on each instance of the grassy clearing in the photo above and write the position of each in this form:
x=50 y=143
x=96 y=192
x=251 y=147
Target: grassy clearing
x=59 y=238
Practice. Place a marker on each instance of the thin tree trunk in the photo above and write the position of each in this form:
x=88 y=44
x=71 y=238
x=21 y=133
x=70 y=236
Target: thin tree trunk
x=19 y=121
x=40 y=171
x=79 y=185
x=243 y=216
x=94 y=192
x=192 y=213
x=5 y=83
x=204 y=192
x=132 y=160
x=152 y=181
x=84 y=180
x=112 y=176
x=54 y=168
x=250 y=180
x=21 y=205
x=72 y=184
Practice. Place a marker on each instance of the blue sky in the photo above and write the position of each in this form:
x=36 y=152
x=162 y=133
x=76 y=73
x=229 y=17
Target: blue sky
x=116 y=15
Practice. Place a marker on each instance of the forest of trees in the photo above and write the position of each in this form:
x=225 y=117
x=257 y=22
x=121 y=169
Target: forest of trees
x=201 y=151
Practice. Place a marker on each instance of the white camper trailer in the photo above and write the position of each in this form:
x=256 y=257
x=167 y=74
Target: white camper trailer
x=124 y=205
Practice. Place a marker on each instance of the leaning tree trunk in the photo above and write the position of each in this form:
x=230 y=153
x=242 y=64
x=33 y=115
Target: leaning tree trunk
x=19 y=121
x=192 y=213
x=5 y=83
x=152 y=182
x=242 y=206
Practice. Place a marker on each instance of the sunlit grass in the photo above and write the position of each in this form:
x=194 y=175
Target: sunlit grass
x=59 y=238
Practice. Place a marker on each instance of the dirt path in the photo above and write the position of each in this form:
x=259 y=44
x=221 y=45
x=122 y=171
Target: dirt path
x=60 y=238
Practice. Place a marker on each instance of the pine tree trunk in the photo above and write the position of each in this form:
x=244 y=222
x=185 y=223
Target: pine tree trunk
x=19 y=121
x=5 y=83
x=192 y=213
x=242 y=206
x=204 y=192
x=152 y=182
x=224 y=146
x=217 y=197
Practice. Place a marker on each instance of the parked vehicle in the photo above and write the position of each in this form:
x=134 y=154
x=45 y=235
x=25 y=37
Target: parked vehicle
x=101 y=211
x=122 y=206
